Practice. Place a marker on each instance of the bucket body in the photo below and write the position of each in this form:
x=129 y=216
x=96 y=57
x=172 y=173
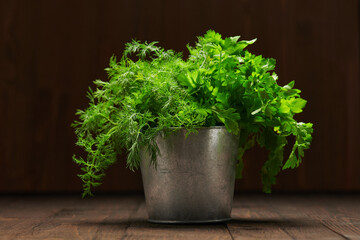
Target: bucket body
x=193 y=180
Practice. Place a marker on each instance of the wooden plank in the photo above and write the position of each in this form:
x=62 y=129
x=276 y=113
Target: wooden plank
x=340 y=214
x=69 y=218
x=295 y=220
x=20 y=217
x=141 y=229
x=115 y=225
x=253 y=219
x=124 y=217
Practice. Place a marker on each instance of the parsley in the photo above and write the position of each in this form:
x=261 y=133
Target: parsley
x=220 y=84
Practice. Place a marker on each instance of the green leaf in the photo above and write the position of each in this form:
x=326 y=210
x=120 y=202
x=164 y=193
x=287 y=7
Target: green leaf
x=256 y=111
x=234 y=39
x=243 y=44
x=239 y=169
x=292 y=162
x=275 y=76
x=245 y=144
x=284 y=106
x=221 y=97
x=290 y=85
x=297 y=104
x=259 y=119
x=229 y=117
x=273 y=165
x=303 y=132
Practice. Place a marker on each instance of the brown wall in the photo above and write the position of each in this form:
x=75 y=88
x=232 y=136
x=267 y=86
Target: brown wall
x=51 y=51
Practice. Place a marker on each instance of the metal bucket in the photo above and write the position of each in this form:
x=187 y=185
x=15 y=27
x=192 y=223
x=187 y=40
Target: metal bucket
x=194 y=179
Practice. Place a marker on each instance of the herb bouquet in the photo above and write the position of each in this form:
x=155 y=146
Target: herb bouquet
x=220 y=84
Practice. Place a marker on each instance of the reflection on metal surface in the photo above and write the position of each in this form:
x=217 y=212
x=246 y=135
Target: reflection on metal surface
x=194 y=178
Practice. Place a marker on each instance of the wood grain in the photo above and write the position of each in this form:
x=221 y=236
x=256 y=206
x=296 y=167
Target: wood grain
x=254 y=216
x=342 y=219
x=67 y=217
x=141 y=229
x=51 y=51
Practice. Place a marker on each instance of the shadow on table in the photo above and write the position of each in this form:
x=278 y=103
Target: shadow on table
x=238 y=222
x=269 y=222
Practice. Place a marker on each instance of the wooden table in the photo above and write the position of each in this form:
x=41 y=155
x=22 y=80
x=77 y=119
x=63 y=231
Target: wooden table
x=255 y=216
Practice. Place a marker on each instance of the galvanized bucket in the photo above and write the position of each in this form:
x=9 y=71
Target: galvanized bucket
x=194 y=179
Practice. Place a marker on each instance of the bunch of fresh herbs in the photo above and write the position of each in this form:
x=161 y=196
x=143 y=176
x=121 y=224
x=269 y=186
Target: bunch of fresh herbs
x=220 y=84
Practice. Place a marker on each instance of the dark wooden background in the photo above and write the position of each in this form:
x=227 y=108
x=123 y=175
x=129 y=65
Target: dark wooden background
x=52 y=50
